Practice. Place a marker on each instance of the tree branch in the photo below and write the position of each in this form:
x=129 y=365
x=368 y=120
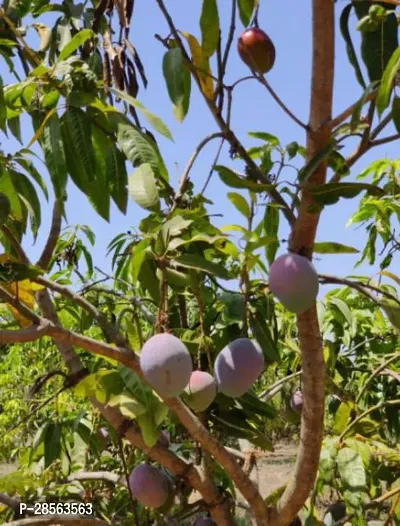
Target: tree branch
x=277 y=99
x=10 y=501
x=54 y=234
x=377 y=371
x=102 y=476
x=302 y=241
x=254 y=170
x=15 y=244
x=366 y=413
x=348 y=112
x=276 y=387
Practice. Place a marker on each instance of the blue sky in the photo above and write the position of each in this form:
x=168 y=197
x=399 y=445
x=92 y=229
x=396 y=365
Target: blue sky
x=253 y=110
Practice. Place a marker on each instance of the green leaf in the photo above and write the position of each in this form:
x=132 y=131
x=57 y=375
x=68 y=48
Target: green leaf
x=396 y=112
x=271 y=227
x=75 y=42
x=117 y=177
x=5 y=208
x=307 y=171
x=342 y=416
x=263 y=336
x=362 y=449
x=3 y=109
x=351 y=53
x=77 y=138
x=8 y=189
x=343 y=308
x=138 y=258
x=149 y=429
x=267 y=137
x=209 y=25
x=240 y=203
x=351 y=468
x=386 y=87
x=330 y=193
x=199 y=263
x=143 y=188
x=28 y=195
x=128 y=405
x=52 y=444
x=137 y=147
x=155 y=121
x=178 y=80
x=334 y=248
x=233 y=180
x=98 y=190
x=246 y=8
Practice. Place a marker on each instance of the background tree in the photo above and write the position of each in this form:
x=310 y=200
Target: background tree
x=79 y=87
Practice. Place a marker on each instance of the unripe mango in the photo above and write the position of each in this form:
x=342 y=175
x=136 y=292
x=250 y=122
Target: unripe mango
x=166 y=364
x=294 y=281
x=238 y=366
x=149 y=486
x=201 y=391
x=256 y=50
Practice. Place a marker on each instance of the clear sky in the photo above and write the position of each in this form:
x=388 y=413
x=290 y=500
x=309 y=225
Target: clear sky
x=289 y=26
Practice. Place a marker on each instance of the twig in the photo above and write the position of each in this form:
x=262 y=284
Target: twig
x=271 y=391
x=339 y=119
x=185 y=176
x=254 y=170
x=15 y=244
x=106 y=476
x=54 y=234
x=376 y=373
x=373 y=504
x=277 y=99
x=326 y=278
x=366 y=413
x=385 y=140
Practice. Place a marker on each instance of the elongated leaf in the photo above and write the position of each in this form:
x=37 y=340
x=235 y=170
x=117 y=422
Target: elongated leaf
x=8 y=189
x=30 y=168
x=53 y=150
x=3 y=108
x=334 y=248
x=271 y=227
x=263 y=335
x=240 y=203
x=75 y=42
x=202 y=65
x=27 y=191
x=155 y=121
x=351 y=53
x=98 y=190
x=386 y=87
x=138 y=258
x=342 y=416
x=267 y=137
x=199 y=263
x=137 y=147
x=233 y=180
x=143 y=188
x=77 y=138
x=178 y=80
x=117 y=177
x=246 y=8
x=52 y=444
x=343 y=308
x=209 y=25
x=351 y=468
x=330 y=193
x=306 y=172
x=396 y=112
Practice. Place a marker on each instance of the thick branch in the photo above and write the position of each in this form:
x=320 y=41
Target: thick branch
x=302 y=241
x=10 y=501
x=54 y=234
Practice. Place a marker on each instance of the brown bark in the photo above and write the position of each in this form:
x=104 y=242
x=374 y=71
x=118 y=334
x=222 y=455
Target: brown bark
x=302 y=240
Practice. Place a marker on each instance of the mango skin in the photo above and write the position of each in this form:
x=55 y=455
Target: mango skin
x=201 y=391
x=294 y=281
x=149 y=486
x=204 y=521
x=256 y=50
x=166 y=364
x=296 y=402
x=238 y=366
